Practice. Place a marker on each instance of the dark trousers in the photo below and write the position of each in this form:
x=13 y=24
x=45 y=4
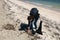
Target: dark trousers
x=35 y=22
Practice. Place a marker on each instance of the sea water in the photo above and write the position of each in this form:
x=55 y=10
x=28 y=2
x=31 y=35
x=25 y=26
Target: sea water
x=46 y=3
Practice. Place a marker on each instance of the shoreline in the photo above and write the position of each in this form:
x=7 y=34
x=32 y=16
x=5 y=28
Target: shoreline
x=41 y=5
x=49 y=14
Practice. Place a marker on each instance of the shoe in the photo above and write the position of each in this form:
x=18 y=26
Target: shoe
x=39 y=32
x=33 y=32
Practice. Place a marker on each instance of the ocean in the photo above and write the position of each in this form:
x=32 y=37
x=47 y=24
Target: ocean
x=47 y=3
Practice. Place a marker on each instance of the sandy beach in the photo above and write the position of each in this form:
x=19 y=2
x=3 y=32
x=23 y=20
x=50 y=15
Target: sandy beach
x=15 y=12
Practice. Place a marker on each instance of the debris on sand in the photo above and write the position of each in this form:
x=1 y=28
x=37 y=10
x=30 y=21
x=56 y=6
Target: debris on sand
x=9 y=27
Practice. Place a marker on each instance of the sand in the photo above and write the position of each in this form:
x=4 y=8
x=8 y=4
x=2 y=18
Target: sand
x=15 y=12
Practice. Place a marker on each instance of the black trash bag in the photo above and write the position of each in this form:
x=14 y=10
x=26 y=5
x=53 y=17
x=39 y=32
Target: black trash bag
x=23 y=26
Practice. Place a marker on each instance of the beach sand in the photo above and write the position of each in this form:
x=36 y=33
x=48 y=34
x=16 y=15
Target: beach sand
x=15 y=12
